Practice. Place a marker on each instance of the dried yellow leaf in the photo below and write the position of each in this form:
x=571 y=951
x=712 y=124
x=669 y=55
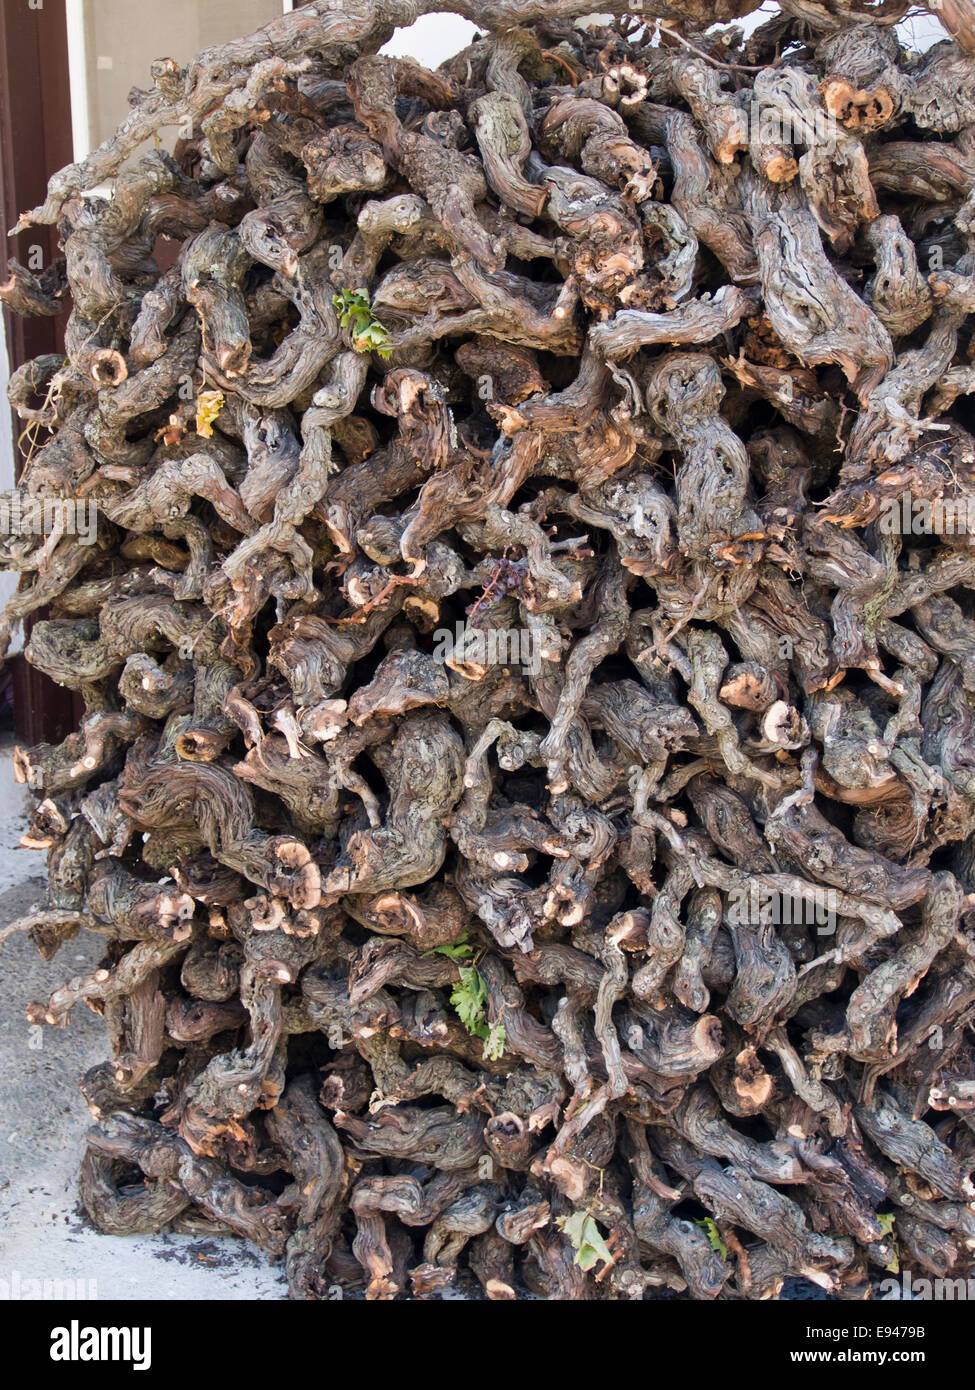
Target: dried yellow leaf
x=208 y=406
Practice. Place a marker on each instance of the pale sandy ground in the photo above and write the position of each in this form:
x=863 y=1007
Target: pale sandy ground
x=44 y=1234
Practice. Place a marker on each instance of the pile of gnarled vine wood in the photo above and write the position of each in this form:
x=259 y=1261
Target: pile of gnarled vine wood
x=525 y=620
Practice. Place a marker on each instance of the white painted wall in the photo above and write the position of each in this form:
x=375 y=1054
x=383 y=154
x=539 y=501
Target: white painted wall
x=432 y=39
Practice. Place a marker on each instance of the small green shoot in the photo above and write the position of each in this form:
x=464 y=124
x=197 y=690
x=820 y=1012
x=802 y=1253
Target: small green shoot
x=460 y=950
x=368 y=334
x=710 y=1229
x=586 y=1239
x=208 y=406
x=470 y=998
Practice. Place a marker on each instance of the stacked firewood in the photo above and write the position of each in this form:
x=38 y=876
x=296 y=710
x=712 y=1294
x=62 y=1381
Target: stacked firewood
x=510 y=527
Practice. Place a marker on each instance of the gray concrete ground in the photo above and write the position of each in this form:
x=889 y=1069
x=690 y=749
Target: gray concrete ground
x=44 y=1233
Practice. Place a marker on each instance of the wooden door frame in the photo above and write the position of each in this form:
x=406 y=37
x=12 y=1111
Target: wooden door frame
x=35 y=140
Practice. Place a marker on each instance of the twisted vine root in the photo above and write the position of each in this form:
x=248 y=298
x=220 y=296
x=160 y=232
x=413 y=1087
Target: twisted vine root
x=525 y=782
